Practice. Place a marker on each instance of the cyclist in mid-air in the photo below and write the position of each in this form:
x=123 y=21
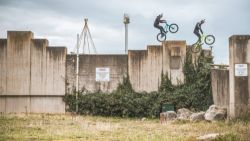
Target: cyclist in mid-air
x=197 y=30
x=157 y=24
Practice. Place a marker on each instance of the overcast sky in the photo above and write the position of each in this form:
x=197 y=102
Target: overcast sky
x=60 y=20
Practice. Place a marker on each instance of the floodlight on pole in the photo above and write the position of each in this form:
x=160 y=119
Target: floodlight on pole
x=126 y=21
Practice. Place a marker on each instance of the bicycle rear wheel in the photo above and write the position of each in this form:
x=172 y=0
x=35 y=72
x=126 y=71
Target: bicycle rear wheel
x=209 y=39
x=173 y=28
x=196 y=48
x=161 y=37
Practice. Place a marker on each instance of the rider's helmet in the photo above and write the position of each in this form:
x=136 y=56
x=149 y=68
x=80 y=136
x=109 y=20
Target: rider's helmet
x=203 y=21
x=161 y=15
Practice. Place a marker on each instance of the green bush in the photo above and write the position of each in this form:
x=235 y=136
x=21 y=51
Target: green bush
x=194 y=93
x=123 y=102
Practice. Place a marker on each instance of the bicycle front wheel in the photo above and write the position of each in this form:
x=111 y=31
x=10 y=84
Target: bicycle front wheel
x=209 y=39
x=173 y=28
x=161 y=37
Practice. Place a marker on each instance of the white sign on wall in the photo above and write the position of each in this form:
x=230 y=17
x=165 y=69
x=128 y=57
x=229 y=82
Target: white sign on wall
x=102 y=74
x=240 y=70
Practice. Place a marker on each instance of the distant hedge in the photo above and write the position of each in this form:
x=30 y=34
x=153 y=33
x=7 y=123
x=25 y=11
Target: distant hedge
x=194 y=93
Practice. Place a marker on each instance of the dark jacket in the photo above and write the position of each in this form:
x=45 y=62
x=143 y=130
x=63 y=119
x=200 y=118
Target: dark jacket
x=198 y=28
x=158 y=21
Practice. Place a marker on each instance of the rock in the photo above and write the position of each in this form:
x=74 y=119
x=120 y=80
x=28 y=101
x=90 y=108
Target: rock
x=169 y=115
x=215 y=113
x=197 y=116
x=143 y=119
x=208 y=137
x=183 y=114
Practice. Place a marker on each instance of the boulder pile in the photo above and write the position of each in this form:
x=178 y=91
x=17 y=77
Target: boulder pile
x=214 y=113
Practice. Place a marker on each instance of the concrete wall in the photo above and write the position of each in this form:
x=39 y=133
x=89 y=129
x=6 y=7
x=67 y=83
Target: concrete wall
x=174 y=55
x=146 y=66
x=220 y=87
x=32 y=75
x=239 y=48
x=87 y=71
x=32 y=104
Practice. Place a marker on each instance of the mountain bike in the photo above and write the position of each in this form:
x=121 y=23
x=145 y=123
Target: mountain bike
x=173 y=28
x=208 y=39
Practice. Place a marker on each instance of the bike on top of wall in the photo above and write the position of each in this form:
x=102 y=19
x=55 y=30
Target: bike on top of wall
x=173 y=28
x=208 y=39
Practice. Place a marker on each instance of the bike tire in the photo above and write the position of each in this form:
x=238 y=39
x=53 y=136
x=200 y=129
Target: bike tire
x=161 y=38
x=209 y=39
x=196 y=48
x=173 y=28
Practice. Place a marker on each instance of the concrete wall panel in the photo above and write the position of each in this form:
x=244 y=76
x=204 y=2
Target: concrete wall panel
x=220 y=87
x=38 y=66
x=18 y=62
x=28 y=67
x=117 y=65
x=2 y=105
x=34 y=104
x=17 y=105
x=154 y=68
x=146 y=66
x=143 y=65
x=47 y=105
x=171 y=51
x=87 y=71
x=70 y=73
x=56 y=70
x=137 y=60
x=3 y=66
x=239 y=85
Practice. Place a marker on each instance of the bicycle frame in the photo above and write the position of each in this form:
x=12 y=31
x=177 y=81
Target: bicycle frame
x=203 y=36
x=166 y=26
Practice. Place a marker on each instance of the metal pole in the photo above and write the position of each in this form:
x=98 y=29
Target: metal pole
x=126 y=38
x=77 y=71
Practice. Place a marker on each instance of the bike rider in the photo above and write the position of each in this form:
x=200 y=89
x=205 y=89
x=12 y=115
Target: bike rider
x=157 y=24
x=197 y=30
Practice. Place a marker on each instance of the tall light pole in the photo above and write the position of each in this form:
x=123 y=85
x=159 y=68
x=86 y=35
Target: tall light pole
x=126 y=22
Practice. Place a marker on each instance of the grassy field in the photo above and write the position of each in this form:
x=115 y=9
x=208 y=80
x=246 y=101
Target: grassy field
x=88 y=128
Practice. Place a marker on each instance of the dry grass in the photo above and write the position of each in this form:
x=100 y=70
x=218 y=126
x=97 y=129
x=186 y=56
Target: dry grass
x=88 y=128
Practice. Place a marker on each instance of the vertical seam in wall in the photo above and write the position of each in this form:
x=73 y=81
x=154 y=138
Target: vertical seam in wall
x=30 y=68
x=42 y=90
x=6 y=65
x=51 y=67
x=45 y=84
x=30 y=74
